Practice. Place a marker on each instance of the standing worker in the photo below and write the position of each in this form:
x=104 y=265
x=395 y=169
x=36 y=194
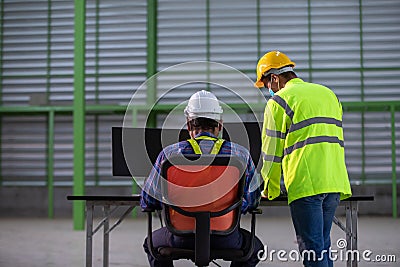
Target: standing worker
x=204 y=122
x=302 y=138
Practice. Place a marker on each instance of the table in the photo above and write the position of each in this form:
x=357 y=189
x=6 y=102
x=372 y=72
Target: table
x=130 y=202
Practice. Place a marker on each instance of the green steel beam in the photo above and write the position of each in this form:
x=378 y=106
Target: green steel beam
x=394 y=174
x=370 y=105
x=50 y=164
x=105 y=109
x=151 y=59
x=134 y=116
x=79 y=113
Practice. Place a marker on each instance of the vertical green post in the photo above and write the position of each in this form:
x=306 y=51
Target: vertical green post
x=134 y=115
x=151 y=59
x=394 y=178
x=50 y=164
x=79 y=113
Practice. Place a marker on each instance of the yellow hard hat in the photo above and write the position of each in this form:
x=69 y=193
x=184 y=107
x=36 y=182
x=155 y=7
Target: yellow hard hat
x=271 y=60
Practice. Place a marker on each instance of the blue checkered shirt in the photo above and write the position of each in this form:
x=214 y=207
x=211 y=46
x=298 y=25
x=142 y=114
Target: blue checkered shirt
x=151 y=190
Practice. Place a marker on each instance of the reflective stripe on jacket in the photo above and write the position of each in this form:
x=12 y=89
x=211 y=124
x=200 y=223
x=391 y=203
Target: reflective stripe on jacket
x=303 y=138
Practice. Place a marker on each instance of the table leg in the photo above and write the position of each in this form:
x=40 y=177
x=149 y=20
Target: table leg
x=348 y=231
x=354 y=228
x=352 y=233
x=106 y=236
x=89 y=232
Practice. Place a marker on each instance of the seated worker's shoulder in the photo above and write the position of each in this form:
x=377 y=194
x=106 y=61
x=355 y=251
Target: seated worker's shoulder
x=239 y=149
x=181 y=147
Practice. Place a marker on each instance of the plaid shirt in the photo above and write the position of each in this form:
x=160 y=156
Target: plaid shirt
x=151 y=191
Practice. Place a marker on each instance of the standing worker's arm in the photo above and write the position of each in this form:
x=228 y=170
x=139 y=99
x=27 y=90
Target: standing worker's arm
x=273 y=141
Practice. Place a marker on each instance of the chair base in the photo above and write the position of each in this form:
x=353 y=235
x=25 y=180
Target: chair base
x=224 y=254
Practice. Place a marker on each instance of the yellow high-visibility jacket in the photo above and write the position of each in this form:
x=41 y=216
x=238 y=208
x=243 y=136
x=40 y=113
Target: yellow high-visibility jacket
x=302 y=137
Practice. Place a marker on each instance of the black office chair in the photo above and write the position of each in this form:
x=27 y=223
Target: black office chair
x=203 y=195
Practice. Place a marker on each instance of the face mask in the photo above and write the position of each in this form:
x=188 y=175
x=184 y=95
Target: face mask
x=271 y=92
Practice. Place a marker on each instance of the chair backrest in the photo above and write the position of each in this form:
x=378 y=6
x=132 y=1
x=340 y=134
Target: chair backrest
x=202 y=183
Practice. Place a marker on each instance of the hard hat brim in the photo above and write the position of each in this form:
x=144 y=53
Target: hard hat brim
x=259 y=84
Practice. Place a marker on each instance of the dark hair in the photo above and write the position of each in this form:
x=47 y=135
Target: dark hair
x=286 y=75
x=203 y=123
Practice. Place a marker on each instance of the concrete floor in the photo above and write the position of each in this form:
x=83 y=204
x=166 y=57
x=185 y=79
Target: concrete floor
x=45 y=242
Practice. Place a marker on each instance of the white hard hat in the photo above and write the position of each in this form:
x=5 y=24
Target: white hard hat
x=203 y=104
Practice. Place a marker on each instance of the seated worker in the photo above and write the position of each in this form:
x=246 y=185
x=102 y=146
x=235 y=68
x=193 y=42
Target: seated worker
x=204 y=122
